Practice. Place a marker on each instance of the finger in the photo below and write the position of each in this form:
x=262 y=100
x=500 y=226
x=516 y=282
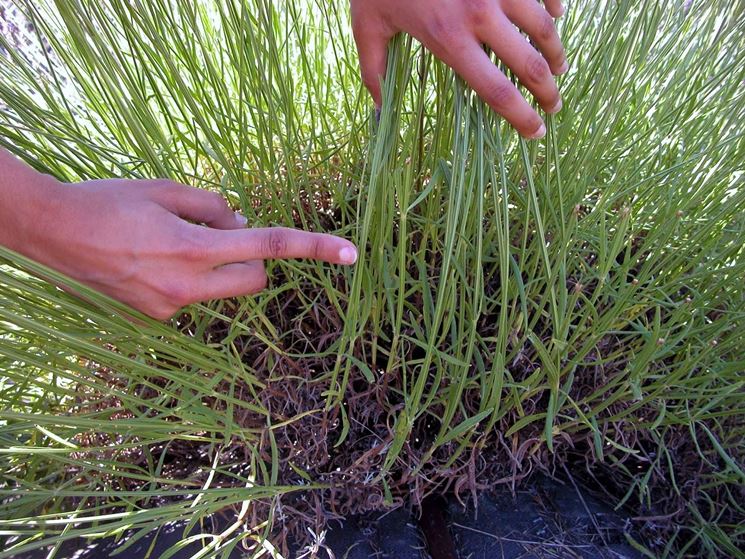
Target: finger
x=527 y=63
x=372 y=46
x=554 y=7
x=279 y=243
x=232 y=280
x=530 y=16
x=198 y=205
x=474 y=66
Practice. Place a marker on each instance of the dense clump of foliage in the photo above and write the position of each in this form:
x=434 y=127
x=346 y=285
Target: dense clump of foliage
x=518 y=306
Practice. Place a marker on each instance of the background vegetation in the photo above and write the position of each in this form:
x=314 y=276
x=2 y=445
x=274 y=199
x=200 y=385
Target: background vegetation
x=575 y=302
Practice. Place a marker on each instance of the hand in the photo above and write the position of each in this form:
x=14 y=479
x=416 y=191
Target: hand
x=454 y=30
x=131 y=240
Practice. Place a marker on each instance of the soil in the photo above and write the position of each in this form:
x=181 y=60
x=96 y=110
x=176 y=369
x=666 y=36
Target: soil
x=546 y=519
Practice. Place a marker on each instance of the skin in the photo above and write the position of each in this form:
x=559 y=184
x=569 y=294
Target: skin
x=154 y=244
x=455 y=31
x=158 y=245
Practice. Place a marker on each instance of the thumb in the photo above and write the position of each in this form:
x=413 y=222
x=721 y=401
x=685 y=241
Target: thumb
x=372 y=46
x=198 y=205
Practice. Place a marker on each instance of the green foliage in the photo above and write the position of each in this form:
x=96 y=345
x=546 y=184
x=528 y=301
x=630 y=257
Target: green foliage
x=516 y=304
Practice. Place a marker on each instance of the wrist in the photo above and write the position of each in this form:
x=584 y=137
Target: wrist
x=27 y=199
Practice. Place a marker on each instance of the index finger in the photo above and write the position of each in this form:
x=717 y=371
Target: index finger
x=280 y=243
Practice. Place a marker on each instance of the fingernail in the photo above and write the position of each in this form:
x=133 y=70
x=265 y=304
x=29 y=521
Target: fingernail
x=563 y=69
x=348 y=255
x=241 y=219
x=540 y=133
x=556 y=108
x=562 y=10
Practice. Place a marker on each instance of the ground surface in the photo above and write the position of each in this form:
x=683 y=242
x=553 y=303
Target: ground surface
x=547 y=519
